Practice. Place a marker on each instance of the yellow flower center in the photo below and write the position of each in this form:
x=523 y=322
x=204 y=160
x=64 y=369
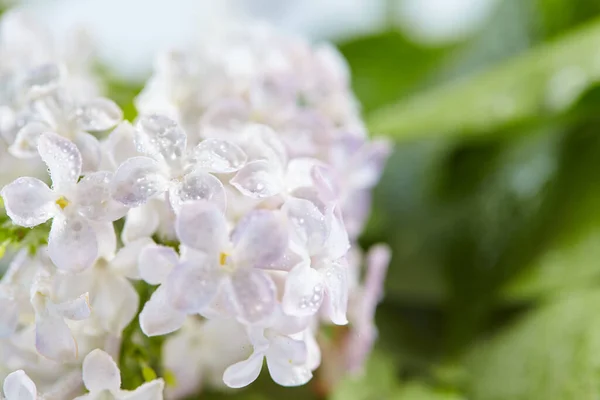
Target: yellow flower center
x=223 y=258
x=62 y=202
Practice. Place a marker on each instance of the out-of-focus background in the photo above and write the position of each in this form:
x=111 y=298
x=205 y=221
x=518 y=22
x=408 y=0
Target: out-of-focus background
x=491 y=201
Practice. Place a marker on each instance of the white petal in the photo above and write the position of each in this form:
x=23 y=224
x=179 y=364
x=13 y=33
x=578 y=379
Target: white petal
x=299 y=172
x=119 y=145
x=98 y=114
x=336 y=286
x=106 y=238
x=192 y=286
x=91 y=151
x=288 y=375
x=262 y=143
x=42 y=80
x=18 y=386
x=309 y=225
x=100 y=372
x=260 y=238
x=158 y=317
x=115 y=303
x=198 y=185
x=25 y=144
x=9 y=317
x=303 y=294
x=225 y=117
x=62 y=158
x=202 y=226
x=126 y=260
x=244 y=372
x=148 y=391
x=155 y=263
x=137 y=180
x=94 y=199
x=29 y=202
x=258 y=179
x=253 y=294
x=160 y=137
x=338 y=242
x=140 y=222
x=286 y=350
x=76 y=309
x=53 y=339
x=216 y=155
x=72 y=243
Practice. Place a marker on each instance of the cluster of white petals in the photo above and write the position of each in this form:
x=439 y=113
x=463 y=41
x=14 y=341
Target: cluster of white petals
x=242 y=186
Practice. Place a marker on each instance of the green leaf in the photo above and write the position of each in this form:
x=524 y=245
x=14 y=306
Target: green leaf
x=552 y=353
x=545 y=81
x=377 y=382
x=419 y=391
x=386 y=66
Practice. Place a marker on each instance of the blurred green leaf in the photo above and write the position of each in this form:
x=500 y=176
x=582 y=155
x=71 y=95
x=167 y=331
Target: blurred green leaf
x=378 y=381
x=553 y=353
x=419 y=391
x=387 y=66
x=545 y=81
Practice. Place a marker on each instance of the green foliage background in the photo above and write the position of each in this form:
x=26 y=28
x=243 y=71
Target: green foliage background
x=491 y=203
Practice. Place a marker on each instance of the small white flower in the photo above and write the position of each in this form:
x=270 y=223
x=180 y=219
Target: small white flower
x=75 y=206
x=102 y=379
x=322 y=277
x=18 y=386
x=170 y=166
x=288 y=347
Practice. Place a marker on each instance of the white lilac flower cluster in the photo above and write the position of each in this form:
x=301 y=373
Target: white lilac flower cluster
x=243 y=185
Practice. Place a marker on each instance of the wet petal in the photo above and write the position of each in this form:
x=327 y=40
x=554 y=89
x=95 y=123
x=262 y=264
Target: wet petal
x=336 y=287
x=148 y=391
x=29 y=202
x=260 y=238
x=25 y=144
x=155 y=263
x=198 y=185
x=192 y=286
x=244 y=372
x=91 y=151
x=62 y=158
x=72 y=244
x=253 y=294
x=94 y=199
x=303 y=294
x=137 y=180
x=53 y=338
x=202 y=226
x=158 y=316
x=160 y=137
x=258 y=179
x=216 y=155
x=100 y=372
x=18 y=386
x=97 y=115
x=309 y=225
